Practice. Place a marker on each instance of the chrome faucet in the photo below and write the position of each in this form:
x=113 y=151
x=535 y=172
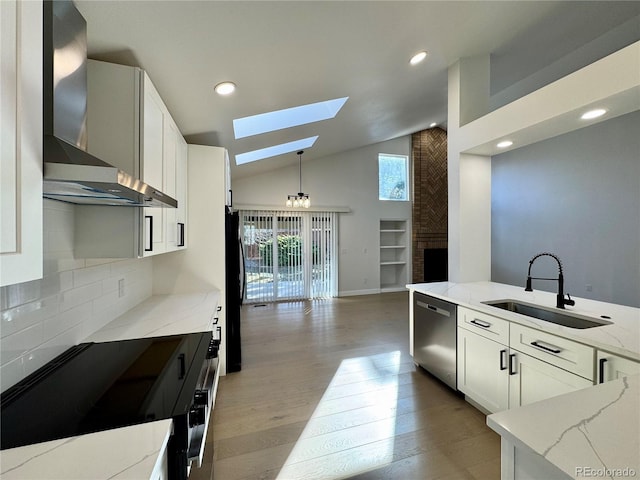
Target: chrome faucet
x=561 y=301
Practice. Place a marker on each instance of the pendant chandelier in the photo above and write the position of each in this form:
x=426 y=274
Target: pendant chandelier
x=301 y=200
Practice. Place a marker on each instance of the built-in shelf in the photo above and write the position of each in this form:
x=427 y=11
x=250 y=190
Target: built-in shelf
x=393 y=254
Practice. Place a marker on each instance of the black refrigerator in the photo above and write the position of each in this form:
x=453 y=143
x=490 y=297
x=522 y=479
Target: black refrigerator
x=234 y=280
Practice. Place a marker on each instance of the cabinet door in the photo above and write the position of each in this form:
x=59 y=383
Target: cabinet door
x=482 y=370
x=153 y=166
x=181 y=192
x=171 y=135
x=532 y=380
x=21 y=142
x=611 y=367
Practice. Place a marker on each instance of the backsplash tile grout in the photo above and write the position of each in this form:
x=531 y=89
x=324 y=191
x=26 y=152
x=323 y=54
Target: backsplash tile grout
x=42 y=318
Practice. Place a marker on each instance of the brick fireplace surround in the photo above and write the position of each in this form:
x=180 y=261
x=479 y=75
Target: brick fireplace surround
x=429 y=217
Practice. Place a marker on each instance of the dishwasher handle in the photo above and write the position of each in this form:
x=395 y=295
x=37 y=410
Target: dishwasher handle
x=434 y=309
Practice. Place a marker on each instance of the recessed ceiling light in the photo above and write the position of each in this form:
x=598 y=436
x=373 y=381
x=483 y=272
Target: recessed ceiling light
x=504 y=144
x=225 y=88
x=433 y=124
x=591 y=114
x=418 y=57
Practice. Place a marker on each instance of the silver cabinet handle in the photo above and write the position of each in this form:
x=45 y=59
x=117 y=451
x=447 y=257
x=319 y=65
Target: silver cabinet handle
x=547 y=347
x=433 y=309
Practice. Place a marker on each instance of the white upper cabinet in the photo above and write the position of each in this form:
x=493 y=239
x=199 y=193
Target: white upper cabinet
x=21 y=133
x=182 y=153
x=156 y=153
x=130 y=127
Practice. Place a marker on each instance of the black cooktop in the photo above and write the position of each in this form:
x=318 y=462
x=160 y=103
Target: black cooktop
x=98 y=386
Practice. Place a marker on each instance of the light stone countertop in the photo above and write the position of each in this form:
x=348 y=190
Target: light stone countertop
x=128 y=453
x=594 y=428
x=582 y=432
x=162 y=315
x=622 y=337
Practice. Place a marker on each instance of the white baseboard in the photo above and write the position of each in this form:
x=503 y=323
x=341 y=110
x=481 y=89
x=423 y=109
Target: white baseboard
x=394 y=289
x=352 y=293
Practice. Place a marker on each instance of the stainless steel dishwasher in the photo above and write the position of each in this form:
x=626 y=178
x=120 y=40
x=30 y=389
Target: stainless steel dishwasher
x=434 y=337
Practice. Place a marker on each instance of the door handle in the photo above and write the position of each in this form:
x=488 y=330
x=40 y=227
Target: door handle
x=547 y=347
x=503 y=359
x=512 y=370
x=432 y=308
x=183 y=369
x=480 y=323
x=149 y=220
x=180 y=234
x=601 y=362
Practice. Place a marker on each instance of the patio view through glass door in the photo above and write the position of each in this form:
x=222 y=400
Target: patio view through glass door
x=289 y=255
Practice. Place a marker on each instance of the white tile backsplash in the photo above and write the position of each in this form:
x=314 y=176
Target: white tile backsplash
x=41 y=319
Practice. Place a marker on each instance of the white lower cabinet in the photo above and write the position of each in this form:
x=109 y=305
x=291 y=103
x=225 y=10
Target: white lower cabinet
x=611 y=367
x=532 y=380
x=495 y=373
x=482 y=370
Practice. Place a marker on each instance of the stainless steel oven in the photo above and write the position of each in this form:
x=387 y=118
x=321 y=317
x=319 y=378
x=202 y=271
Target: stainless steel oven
x=98 y=386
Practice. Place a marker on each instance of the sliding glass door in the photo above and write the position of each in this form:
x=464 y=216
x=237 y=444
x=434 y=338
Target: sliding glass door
x=289 y=255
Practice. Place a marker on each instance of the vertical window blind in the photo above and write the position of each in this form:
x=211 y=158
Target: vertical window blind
x=289 y=255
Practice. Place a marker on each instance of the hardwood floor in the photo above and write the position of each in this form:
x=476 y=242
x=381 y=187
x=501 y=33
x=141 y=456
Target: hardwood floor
x=328 y=391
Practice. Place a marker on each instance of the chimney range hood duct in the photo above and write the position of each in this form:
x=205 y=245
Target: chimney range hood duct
x=71 y=174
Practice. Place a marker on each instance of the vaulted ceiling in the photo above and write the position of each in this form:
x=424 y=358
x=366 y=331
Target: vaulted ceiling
x=291 y=53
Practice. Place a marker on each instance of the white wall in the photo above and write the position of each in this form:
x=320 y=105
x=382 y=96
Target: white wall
x=42 y=318
x=468 y=178
x=348 y=179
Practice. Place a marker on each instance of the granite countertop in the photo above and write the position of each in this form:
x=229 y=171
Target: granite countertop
x=162 y=315
x=129 y=453
x=122 y=453
x=581 y=432
x=622 y=337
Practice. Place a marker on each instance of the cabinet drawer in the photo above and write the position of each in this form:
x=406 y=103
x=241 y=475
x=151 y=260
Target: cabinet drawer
x=488 y=326
x=566 y=354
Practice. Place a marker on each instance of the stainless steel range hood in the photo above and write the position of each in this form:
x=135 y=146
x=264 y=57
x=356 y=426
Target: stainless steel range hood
x=70 y=173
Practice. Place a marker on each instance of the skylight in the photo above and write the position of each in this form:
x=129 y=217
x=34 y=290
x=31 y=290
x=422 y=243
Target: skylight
x=275 y=150
x=289 y=117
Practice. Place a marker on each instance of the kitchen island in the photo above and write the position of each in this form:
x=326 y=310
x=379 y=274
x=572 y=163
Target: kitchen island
x=592 y=431
x=622 y=336
x=589 y=433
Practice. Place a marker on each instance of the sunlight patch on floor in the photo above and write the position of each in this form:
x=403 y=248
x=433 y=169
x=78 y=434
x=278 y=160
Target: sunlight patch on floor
x=358 y=408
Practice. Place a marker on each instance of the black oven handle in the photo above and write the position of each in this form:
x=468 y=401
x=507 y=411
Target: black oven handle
x=183 y=369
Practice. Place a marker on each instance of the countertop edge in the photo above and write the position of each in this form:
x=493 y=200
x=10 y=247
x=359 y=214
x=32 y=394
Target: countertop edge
x=579 y=425
x=604 y=338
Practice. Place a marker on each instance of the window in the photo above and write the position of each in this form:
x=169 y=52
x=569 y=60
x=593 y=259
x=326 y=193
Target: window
x=393 y=177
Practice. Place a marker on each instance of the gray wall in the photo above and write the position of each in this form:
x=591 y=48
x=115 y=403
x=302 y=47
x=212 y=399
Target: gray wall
x=576 y=195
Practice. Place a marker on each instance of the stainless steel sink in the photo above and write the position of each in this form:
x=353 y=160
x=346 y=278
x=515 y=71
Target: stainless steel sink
x=566 y=319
